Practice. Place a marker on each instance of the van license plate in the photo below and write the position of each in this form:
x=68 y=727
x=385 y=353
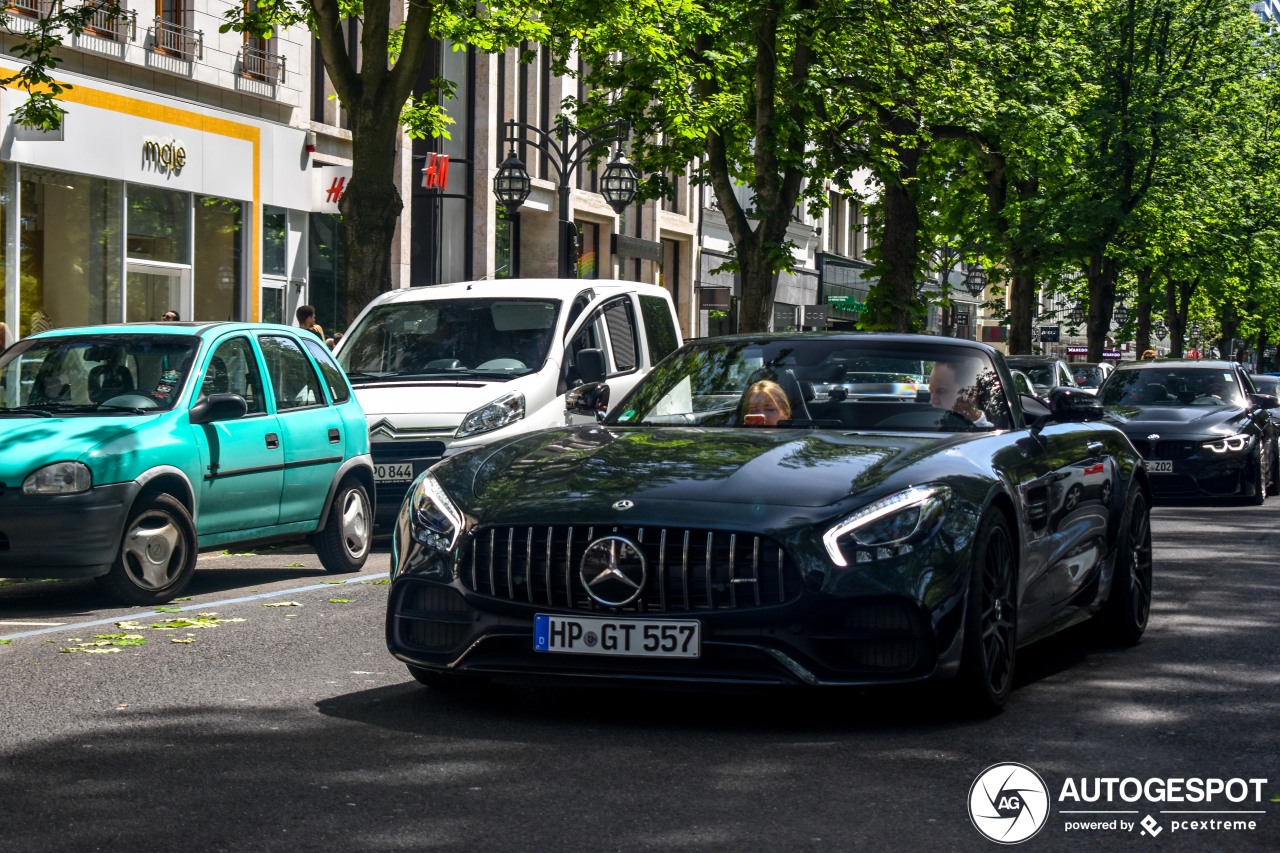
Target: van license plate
x=1159 y=466
x=625 y=637
x=395 y=472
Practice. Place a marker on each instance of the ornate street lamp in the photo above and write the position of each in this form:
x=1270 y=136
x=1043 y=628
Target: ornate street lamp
x=1194 y=331
x=975 y=280
x=511 y=185
x=1075 y=316
x=619 y=183
x=1121 y=314
x=1161 y=330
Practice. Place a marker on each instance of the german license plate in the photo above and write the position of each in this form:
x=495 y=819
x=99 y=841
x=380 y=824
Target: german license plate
x=586 y=635
x=1159 y=466
x=393 y=472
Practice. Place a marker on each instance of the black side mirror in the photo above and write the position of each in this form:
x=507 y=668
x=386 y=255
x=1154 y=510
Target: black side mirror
x=218 y=407
x=1072 y=404
x=591 y=399
x=590 y=365
x=1264 y=401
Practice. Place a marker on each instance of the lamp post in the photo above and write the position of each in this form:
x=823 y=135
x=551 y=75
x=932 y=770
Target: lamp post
x=1121 y=314
x=618 y=184
x=1161 y=330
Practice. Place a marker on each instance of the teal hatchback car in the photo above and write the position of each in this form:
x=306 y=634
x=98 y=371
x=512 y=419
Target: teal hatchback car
x=127 y=449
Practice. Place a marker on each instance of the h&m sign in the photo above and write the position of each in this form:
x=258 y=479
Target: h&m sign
x=163 y=154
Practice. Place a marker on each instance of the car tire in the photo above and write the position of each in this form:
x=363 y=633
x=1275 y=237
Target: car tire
x=990 y=620
x=1128 y=607
x=344 y=544
x=157 y=554
x=447 y=682
x=1260 y=470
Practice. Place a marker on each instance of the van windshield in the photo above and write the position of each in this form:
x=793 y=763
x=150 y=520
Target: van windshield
x=481 y=338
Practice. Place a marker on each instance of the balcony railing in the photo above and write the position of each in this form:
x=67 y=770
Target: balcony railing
x=262 y=65
x=31 y=8
x=177 y=40
x=110 y=20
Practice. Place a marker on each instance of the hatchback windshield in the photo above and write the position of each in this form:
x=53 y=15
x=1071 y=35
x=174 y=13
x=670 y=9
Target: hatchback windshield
x=95 y=373
x=1175 y=386
x=820 y=383
x=494 y=338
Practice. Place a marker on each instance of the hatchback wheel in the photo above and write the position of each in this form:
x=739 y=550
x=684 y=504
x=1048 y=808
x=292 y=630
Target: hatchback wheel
x=344 y=543
x=157 y=555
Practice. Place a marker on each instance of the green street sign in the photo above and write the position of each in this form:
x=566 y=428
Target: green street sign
x=847 y=303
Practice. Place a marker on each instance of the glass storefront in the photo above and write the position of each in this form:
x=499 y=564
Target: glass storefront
x=325 y=282
x=218 y=273
x=69 y=245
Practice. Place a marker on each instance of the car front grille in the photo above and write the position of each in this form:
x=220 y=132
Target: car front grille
x=405 y=451
x=1164 y=449
x=686 y=569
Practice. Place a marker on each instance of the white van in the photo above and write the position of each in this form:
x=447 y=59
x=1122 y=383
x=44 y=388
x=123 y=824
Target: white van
x=446 y=367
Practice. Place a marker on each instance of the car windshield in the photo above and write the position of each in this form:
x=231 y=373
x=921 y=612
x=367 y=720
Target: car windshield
x=82 y=374
x=494 y=338
x=1042 y=375
x=821 y=382
x=1087 y=375
x=1174 y=386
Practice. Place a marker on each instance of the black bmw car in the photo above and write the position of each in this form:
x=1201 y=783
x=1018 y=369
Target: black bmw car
x=1202 y=427
x=842 y=541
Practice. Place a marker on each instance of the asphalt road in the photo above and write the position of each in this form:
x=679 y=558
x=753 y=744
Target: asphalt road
x=295 y=730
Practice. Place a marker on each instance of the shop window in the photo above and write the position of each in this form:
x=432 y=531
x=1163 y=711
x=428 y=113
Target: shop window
x=588 y=250
x=69 y=264
x=159 y=223
x=326 y=285
x=275 y=241
x=218 y=271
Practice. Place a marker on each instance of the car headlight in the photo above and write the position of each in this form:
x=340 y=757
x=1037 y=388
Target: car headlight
x=889 y=527
x=1230 y=444
x=507 y=409
x=434 y=519
x=60 y=478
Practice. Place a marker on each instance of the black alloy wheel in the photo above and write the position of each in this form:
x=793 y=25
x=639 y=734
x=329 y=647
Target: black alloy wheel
x=1260 y=473
x=1128 y=607
x=991 y=619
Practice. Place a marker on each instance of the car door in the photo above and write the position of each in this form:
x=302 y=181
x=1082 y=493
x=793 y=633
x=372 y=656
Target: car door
x=311 y=430
x=610 y=325
x=242 y=460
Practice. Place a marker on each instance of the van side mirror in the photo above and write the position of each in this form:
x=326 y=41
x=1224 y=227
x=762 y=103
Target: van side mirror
x=218 y=407
x=590 y=365
x=588 y=400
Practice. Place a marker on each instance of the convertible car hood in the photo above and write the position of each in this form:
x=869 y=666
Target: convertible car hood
x=781 y=468
x=30 y=443
x=1173 y=418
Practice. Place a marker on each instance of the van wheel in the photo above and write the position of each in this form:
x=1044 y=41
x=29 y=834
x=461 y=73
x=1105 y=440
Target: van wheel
x=344 y=543
x=157 y=555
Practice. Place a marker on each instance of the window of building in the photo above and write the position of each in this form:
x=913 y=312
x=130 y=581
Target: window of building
x=275 y=241
x=69 y=260
x=588 y=249
x=218 y=271
x=326 y=284
x=159 y=225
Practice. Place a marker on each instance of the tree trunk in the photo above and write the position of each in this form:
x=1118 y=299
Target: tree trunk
x=1022 y=299
x=370 y=207
x=1102 y=274
x=755 y=310
x=893 y=300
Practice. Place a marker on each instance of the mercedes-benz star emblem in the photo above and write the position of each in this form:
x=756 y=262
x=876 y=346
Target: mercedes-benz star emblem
x=613 y=571
x=623 y=504
x=1155 y=436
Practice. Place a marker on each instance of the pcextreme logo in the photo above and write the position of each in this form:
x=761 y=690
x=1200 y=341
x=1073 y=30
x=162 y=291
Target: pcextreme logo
x=1009 y=803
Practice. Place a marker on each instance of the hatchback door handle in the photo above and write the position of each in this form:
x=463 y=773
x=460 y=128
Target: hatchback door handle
x=1095 y=448
x=273 y=441
x=334 y=436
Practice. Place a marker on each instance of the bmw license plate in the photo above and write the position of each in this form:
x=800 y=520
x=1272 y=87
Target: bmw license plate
x=586 y=635
x=1158 y=466
x=394 y=472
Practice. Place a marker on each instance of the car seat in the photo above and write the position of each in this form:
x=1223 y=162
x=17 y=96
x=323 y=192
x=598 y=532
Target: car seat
x=790 y=386
x=109 y=380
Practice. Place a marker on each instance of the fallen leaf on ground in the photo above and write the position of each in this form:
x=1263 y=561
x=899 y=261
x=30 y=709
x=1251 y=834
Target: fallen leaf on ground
x=340 y=600
x=282 y=604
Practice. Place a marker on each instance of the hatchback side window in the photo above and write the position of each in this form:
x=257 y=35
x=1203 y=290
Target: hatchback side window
x=333 y=376
x=233 y=369
x=293 y=380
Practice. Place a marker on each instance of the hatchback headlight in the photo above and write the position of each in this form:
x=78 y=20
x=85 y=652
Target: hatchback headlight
x=434 y=519
x=60 y=478
x=889 y=527
x=505 y=410
x=1230 y=444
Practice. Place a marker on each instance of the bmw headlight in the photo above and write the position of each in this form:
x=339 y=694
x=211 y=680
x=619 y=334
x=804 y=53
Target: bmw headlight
x=60 y=478
x=889 y=527
x=435 y=520
x=507 y=409
x=1230 y=444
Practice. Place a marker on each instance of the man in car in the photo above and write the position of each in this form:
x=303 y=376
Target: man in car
x=953 y=388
